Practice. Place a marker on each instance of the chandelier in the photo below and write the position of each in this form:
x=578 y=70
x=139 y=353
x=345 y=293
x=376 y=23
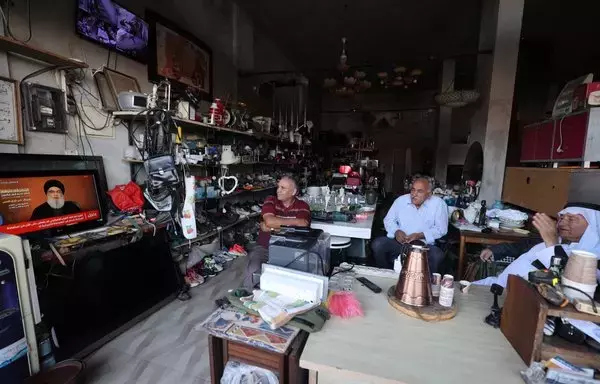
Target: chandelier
x=346 y=84
x=400 y=77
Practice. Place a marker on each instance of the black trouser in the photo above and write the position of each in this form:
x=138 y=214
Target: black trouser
x=256 y=258
x=386 y=250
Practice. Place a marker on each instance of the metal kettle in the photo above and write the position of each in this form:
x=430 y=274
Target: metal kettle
x=414 y=285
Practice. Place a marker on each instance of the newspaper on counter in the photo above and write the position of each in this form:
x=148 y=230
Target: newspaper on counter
x=275 y=309
x=557 y=376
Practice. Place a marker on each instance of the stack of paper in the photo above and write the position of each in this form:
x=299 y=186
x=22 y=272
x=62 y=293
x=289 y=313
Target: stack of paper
x=275 y=309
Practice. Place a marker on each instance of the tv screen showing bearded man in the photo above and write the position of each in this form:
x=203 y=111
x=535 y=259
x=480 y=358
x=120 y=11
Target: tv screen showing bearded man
x=33 y=203
x=55 y=204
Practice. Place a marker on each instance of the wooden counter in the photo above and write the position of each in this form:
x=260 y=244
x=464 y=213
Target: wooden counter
x=386 y=346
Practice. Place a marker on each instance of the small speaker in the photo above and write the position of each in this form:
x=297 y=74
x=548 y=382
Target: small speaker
x=132 y=101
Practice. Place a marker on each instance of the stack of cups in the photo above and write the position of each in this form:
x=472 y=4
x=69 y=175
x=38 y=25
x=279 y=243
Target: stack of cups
x=436 y=282
x=447 y=291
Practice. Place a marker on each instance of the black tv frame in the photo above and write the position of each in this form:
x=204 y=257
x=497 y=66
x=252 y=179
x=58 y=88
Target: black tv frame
x=143 y=60
x=11 y=162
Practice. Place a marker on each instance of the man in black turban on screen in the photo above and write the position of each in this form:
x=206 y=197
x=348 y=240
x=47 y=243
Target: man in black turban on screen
x=55 y=204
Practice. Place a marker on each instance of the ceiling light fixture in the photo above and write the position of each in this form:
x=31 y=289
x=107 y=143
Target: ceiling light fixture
x=347 y=84
x=400 y=77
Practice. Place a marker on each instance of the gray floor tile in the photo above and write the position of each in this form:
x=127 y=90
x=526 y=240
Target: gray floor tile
x=165 y=348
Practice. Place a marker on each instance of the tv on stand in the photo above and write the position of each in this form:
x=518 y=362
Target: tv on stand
x=50 y=202
x=102 y=290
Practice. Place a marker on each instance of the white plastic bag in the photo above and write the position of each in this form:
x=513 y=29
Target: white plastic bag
x=240 y=373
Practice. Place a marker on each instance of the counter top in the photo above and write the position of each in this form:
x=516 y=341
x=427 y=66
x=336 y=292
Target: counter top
x=386 y=346
x=359 y=230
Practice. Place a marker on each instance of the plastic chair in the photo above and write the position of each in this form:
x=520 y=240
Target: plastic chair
x=339 y=244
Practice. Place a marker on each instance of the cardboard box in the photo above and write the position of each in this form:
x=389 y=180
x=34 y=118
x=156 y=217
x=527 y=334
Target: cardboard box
x=581 y=96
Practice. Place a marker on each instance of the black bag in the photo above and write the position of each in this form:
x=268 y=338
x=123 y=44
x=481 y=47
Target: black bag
x=161 y=172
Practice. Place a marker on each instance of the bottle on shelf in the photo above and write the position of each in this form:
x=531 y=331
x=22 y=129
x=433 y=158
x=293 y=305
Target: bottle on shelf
x=482 y=220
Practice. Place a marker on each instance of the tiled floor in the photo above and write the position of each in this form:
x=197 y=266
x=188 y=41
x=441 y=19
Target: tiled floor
x=165 y=348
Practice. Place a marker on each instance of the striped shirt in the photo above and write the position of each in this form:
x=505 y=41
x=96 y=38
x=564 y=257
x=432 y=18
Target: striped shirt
x=297 y=210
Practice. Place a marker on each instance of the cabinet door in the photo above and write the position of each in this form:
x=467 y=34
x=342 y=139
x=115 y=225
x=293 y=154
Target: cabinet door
x=543 y=141
x=569 y=137
x=528 y=142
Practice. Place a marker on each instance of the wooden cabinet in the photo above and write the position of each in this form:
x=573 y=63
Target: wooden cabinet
x=523 y=317
x=575 y=137
x=537 y=139
x=549 y=189
x=286 y=366
x=570 y=137
x=544 y=140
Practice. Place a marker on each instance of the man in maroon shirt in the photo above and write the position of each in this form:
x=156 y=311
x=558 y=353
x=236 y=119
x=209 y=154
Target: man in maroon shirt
x=285 y=209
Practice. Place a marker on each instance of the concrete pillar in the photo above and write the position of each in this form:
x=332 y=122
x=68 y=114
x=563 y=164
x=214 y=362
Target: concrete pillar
x=495 y=81
x=483 y=77
x=444 y=123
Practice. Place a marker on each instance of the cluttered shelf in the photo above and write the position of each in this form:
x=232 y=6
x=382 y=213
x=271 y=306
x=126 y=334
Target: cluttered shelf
x=573 y=353
x=354 y=149
x=572 y=313
x=240 y=192
x=257 y=135
x=272 y=163
x=182 y=243
x=137 y=161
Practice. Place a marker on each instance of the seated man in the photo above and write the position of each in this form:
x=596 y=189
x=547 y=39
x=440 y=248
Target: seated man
x=577 y=228
x=414 y=216
x=285 y=209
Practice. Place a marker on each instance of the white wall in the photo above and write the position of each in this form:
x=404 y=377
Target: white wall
x=53 y=27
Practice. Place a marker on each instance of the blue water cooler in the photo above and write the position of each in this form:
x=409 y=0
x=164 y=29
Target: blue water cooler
x=18 y=346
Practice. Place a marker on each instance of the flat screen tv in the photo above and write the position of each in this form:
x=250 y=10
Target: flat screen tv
x=50 y=202
x=109 y=24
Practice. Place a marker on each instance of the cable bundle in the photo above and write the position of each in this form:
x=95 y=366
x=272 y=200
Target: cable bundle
x=157 y=136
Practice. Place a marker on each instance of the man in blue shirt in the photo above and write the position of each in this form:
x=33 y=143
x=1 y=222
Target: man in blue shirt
x=414 y=216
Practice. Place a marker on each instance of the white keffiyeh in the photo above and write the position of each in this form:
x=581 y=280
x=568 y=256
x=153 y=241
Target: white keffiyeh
x=590 y=241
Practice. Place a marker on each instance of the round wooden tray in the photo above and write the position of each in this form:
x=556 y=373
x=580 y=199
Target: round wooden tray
x=434 y=312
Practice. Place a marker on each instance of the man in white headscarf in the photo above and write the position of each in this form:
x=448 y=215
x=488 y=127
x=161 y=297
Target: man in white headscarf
x=578 y=227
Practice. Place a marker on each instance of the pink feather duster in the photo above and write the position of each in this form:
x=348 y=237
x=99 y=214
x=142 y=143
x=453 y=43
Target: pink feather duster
x=344 y=304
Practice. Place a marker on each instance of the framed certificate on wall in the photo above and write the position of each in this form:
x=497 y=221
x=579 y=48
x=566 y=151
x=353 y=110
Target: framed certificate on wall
x=11 y=129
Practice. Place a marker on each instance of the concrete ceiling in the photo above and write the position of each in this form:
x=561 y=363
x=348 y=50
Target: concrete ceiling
x=380 y=32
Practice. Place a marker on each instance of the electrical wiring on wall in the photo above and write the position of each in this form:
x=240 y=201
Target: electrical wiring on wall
x=76 y=80
x=6 y=19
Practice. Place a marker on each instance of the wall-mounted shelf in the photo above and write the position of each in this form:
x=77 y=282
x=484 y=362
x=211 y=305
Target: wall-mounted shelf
x=237 y=193
x=133 y=161
x=182 y=242
x=347 y=149
x=193 y=123
x=10 y=45
x=272 y=163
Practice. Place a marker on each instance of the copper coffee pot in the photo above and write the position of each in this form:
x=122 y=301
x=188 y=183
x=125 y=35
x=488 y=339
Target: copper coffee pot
x=414 y=284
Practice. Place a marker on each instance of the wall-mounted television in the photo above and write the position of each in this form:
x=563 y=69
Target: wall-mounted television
x=179 y=56
x=50 y=202
x=109 y=24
